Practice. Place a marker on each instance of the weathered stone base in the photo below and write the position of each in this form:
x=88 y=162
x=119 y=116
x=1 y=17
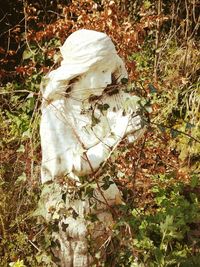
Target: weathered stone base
x=78 y=222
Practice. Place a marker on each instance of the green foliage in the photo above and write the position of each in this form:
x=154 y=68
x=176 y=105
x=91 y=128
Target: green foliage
x=162 y=235
x=161 y=232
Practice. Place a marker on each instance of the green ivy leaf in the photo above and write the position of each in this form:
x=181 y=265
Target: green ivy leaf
x=42 y=257
x=103 y=107
x=194 y=181
x=95 y=120
x=189 y=126
x=21 y=178
x=174 y=133
x=21 y=149
x=27 y=54
x=106 y=182
x=152 y=89
x=124 y=80
x=92 y=217
x=161 y=128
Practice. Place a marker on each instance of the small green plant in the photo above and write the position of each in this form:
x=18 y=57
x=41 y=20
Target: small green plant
x=161 y=234
x=18 y=263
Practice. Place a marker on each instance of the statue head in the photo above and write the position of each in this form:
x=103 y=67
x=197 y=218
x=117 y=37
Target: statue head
x=90 y=58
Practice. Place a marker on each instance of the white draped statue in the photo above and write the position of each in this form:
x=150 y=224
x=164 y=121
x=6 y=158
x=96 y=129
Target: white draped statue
x=85 y=115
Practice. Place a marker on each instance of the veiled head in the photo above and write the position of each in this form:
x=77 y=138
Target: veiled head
x=91 y=58
x=86 y=47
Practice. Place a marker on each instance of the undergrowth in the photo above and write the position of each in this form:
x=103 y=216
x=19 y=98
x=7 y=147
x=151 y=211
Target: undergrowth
x=159 y=222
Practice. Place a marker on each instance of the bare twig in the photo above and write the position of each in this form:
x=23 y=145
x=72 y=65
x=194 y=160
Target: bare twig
x=8 y=45
x=157 y=53
x=136 y=164
x=3 y=227
x=19 y=91
x=33 y=245
x=26 y=26
x=10 y=29
x=178 y=131
x=3 y=17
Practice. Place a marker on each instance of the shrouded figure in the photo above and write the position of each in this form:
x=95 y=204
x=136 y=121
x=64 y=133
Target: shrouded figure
x=85 y=114
x=82 y=119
